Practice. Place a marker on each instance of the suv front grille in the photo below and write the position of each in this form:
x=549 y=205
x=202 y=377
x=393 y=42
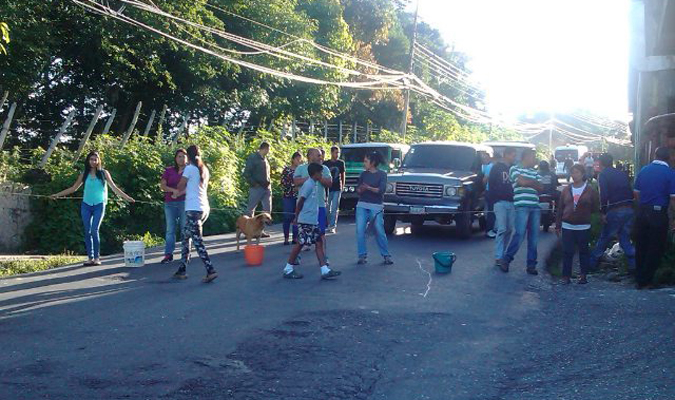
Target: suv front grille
x=420 y=190
x=351 y=181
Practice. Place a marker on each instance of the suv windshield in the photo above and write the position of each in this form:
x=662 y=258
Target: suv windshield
x=357 y=154
x=499 y=151
x=457 y=158
x=561 y=155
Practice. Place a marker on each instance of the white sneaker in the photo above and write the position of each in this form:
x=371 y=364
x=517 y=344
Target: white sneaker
x=332 y=230
x=491 y=234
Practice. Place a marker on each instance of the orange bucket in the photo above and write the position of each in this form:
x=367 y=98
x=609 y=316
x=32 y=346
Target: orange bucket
x=254 y=254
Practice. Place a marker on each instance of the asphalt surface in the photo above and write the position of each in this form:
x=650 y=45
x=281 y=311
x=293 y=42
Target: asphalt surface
x=378 y=332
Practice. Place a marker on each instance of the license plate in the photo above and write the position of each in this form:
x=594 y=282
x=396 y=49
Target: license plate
x=416 y=210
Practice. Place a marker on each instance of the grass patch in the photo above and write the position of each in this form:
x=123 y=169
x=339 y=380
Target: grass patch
x=15 y=267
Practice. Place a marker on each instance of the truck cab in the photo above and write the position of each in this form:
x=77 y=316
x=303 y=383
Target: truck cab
x=438 y=181
x=519 y=146
x=353 y=155
x=562 y=153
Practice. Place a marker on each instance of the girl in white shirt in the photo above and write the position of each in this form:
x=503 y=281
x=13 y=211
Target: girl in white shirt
x=195 y=182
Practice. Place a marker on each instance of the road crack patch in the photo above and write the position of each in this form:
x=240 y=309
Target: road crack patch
x=426 y=292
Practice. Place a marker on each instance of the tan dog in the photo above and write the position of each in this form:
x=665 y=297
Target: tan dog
x=252 y=227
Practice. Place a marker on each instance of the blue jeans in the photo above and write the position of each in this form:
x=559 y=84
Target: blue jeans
x=490 y=218
x=527 y=223
x=333 y=207
x=91 y=219
x=572 y=240
x=173 y=211
x=505 y=219
x=363 y=216
x=288 y=204
x=619 y=223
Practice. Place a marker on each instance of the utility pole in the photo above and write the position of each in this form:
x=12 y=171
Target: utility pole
x=550 y=133
x=406 y=102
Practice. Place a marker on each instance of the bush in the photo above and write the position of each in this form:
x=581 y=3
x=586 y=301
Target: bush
x=148 y=239
x=14 y=267
x=136 y=169
x=10 y=165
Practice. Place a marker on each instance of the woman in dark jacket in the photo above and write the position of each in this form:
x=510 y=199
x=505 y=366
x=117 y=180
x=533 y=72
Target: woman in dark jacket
x=578 y=201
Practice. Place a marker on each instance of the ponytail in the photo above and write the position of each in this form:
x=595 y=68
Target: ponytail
x=195 y=158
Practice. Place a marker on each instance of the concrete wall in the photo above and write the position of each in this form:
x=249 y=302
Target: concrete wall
x=652 y=72
x=14 y=216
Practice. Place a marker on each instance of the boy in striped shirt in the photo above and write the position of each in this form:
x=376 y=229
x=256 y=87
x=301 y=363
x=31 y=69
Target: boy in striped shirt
x=526 y=188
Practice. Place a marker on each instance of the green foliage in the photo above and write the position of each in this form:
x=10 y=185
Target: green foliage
x=49 y=72
x=148 y=239
x=137 y=169
x=386 y=136
x=543 y=152
x=10 y=164
x=15 y=267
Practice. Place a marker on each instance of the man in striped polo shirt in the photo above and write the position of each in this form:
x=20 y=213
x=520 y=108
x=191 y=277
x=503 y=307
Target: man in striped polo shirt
x=526 y=188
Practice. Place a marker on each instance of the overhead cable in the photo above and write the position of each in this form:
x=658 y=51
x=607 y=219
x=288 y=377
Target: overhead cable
x=384 y=82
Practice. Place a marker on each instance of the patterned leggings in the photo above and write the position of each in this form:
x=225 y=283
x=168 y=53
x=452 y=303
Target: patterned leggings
x=193 y=233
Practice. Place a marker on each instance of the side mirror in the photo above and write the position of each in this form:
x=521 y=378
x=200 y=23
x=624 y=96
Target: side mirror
x=396 y=162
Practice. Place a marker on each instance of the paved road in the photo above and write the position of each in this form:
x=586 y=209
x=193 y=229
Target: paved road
x=379 y=332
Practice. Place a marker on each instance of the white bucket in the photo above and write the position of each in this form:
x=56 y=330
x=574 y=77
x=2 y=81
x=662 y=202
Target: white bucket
x=134 y=253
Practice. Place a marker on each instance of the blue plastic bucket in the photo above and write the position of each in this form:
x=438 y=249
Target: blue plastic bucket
x=443 y=261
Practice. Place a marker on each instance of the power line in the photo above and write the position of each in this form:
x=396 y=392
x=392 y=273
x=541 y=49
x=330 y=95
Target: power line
x=442 y=60
x=438 y=73
x=384 y=82
x=437 y=66
x=396 y=80
x=575 y=128
x=610 y=126
x=312 y=43
x=442 y=78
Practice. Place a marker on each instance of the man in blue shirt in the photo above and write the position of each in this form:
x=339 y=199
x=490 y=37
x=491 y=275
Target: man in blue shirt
x=655 y=192
x=616 y=202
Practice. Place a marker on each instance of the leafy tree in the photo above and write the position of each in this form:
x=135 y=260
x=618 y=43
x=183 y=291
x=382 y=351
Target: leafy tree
x=68 y=58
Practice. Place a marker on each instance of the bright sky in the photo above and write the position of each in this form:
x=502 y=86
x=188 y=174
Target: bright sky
x=541 y=55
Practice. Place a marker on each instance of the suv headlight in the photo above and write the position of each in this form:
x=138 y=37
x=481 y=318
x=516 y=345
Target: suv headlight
x=390 y=188
x=450 y=191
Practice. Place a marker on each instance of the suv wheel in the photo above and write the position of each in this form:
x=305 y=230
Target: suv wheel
x=463 y=225
x=389 y=224
x=416 y=226
x=482 y=222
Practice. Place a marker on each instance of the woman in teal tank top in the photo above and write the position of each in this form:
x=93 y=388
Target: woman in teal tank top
x=92 y=209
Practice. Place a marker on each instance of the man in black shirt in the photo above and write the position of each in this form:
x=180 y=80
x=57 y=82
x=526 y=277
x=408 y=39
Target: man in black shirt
x=337 y=171
x=501 y=192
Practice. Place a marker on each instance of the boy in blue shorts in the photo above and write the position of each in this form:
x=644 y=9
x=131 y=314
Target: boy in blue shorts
x=302 y=175
x=307 y=218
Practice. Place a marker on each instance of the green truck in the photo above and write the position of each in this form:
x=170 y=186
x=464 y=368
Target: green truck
x=353 y=154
